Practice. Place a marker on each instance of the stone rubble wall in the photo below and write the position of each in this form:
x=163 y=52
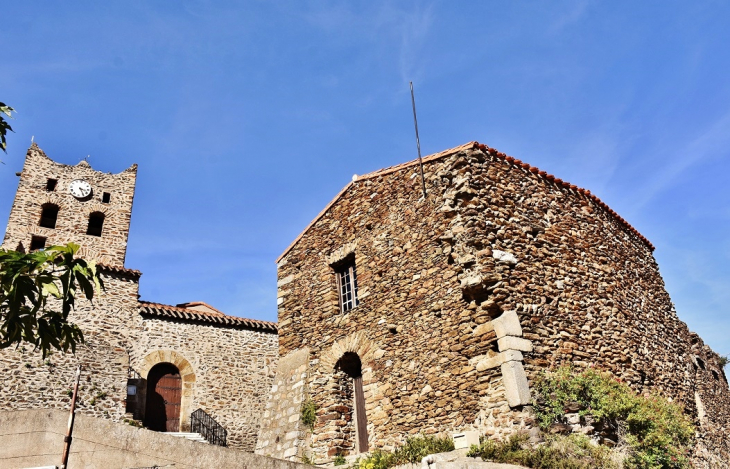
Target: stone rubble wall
x=73 y=217
x=282 y=434
x=31 y=382
x=227 y=371
x=467 y=296
x=233 y=368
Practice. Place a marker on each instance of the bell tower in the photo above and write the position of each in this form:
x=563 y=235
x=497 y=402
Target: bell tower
x=59 y=204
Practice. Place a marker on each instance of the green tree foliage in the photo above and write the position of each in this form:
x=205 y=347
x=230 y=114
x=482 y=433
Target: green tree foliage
x=4 y=126
x=38 y=290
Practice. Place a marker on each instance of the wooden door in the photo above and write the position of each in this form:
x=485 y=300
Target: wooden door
x=164 y=392
x=361 y=420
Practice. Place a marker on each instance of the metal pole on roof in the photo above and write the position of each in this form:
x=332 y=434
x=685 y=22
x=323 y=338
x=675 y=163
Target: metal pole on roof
x=418 y=142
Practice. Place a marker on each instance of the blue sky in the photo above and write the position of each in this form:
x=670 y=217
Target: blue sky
x=246 y=118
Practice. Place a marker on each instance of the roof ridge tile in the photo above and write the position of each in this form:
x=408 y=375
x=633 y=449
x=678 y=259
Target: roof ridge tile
x=169 y=311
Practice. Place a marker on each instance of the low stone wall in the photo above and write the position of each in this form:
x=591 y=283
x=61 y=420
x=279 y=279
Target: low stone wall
x=33 y=438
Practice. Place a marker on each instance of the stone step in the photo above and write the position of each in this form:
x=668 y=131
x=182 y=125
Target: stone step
x=188 y=436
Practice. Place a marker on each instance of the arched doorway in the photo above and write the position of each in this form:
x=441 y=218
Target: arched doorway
x=164 y=393
x=351 y=365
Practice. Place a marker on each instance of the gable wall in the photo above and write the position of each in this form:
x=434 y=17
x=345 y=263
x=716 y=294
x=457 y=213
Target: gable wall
x=586 y=290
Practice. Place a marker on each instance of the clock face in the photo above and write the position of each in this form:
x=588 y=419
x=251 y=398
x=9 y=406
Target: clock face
x=79 y=188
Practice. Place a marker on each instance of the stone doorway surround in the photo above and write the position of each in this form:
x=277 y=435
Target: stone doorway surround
x=365 y=349
x=187 y=375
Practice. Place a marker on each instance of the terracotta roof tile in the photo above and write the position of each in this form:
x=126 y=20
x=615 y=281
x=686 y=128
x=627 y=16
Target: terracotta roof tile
x=494 y=153
x=119 y=270
x=190 y=305
x=176 y=312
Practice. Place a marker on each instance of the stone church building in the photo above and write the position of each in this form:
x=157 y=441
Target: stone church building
x=153 y=363
x=400 y=314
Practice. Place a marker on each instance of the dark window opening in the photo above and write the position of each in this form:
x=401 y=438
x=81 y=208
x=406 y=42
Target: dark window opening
x=715 y=375
x=51 y=185
x=347 y=284
x=49 y=216
x=701 y=363
x=37 y=243
x=106 y=197
x=96 y=223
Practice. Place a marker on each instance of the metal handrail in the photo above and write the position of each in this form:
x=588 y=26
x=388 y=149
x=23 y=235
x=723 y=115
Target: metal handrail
x=201 y=422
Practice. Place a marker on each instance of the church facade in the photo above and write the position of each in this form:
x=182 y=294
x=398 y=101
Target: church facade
x=144 y=363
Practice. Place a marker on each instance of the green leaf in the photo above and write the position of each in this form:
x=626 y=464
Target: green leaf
x=50 y=288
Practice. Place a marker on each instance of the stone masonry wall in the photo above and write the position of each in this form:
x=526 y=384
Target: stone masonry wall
x=501 y=272
x=233 y=368
x=73 y=217
x=227 y=371
x=30 y=382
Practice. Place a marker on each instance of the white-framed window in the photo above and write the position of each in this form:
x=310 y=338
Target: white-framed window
x=346 y=274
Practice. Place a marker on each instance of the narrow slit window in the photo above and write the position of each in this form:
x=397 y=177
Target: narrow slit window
x=106 y=197
x=49 y=216
x=37 y=243
x=96 y=224
x=51 y=185
x=346 y=274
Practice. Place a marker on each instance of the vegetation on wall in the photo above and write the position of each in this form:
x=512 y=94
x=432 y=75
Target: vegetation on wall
x=723 y=361
x=309 y=413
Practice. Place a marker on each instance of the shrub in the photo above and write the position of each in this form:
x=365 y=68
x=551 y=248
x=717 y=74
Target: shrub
x=377 y=459
x=414 y=449
x=558 y=452
x=657 y=433
x=309 y=413
x=418 y=447
x=340 y=460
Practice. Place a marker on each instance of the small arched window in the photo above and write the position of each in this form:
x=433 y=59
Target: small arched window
x=49 y=215
x=96 y=223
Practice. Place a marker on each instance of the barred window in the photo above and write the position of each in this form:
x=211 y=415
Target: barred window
x=347 y=284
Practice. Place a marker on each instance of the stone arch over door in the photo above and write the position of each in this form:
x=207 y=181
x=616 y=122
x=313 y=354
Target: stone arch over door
x=348 y=363
x=187 y=376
